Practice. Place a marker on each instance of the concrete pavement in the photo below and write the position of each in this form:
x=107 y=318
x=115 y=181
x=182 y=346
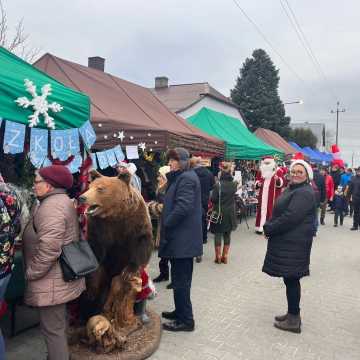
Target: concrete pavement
x=234 y=306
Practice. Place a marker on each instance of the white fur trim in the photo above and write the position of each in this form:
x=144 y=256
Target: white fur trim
x=306 y=165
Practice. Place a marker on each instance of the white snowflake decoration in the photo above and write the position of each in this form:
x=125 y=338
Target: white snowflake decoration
x=39 y=104
x=121 y=136
x=142 y=146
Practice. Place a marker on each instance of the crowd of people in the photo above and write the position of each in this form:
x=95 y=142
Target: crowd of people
x=190 y=201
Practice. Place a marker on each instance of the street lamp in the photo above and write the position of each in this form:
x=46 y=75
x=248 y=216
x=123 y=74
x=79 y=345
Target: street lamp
x=337 y=119
x=294 y=102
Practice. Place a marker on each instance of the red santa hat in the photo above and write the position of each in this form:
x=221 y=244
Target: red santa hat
x=305 y=164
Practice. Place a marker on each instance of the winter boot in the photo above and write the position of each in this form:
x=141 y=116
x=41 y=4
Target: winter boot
x=224 y=258
x=161 y=277
x=281 y=317
x=292 y=323
x=217 y=255
x=140 y=311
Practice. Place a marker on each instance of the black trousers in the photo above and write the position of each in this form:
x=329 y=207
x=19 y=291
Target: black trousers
x=181 y=277
x=293 y=294
x=164 y=267
x=204 y=225
x=339 y=213
x=356 y=218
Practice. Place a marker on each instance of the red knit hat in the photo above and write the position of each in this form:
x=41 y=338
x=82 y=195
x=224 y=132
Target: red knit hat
x=58 y=176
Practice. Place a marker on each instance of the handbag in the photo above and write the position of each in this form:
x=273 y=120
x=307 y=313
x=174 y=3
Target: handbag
x=77 y=260
x=215 y=216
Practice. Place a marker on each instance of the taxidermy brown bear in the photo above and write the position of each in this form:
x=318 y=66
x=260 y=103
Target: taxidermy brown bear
x=119 y=232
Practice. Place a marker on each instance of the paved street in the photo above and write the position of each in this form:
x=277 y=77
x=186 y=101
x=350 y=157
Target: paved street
x=234 y=306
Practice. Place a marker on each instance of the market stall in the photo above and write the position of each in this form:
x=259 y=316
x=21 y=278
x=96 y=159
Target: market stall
x=240 y=143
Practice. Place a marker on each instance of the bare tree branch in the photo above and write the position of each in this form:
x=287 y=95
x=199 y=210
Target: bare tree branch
x=19 y=42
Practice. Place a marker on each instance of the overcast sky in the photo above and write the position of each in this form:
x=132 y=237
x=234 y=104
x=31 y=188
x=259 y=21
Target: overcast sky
x=208 y=40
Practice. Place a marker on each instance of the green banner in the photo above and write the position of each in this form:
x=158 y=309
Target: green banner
x=42 y=101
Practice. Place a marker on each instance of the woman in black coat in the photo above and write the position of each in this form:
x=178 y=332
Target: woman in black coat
x=290 y=235
x=224 y=195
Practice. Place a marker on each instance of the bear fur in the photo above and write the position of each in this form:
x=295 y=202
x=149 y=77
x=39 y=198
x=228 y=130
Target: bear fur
x=119 y=232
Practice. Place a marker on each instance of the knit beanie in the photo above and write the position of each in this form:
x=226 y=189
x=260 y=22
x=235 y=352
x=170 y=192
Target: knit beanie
x=179 y=154
x=306 y=165
x=58 y=176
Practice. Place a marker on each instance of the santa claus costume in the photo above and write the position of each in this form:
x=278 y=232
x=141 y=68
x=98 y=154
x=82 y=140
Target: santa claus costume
x=270 y=182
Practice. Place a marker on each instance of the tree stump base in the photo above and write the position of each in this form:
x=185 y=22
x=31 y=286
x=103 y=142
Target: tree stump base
x=140 y=344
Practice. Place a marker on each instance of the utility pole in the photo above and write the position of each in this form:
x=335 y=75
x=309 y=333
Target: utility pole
x=337 y=119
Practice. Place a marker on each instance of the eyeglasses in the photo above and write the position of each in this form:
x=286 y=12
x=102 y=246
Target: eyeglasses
x=38 y=181
x=299 y=172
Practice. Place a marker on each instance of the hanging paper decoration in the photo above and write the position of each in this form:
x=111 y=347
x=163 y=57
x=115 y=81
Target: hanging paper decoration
x=88 y=134
x=37 y=159
x=14 y=137
x=142 y=146
x=132 y=152
x=119 y=153
x=73 y=141
x=74 y=166
x=94 y=162
x=111 y=157
x=59 y=144
x=39 y=142
x=46 y=162
x=39 y=104
x=102 y=158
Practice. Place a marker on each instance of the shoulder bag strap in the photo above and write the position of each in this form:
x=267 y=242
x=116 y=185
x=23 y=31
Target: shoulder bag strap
x=219 y=197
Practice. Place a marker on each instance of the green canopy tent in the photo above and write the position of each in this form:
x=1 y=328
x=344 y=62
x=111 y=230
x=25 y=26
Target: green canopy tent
x=240 y=142
x=13 y=72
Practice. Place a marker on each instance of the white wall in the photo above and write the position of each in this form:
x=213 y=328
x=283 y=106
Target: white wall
x=212 y=104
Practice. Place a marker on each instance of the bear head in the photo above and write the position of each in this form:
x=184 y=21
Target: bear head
x=109 y=197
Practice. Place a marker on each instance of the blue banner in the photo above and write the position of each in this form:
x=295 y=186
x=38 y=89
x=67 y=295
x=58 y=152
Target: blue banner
x=39 y=142
x=37 y=159
x=119 y=153
x=14 y=137
x=75 y=164
x=102 y=159
x=88 y=134
x=111 y=157
x=73 y=141
x=94 y=162
x=59 y=144
x=46 y=162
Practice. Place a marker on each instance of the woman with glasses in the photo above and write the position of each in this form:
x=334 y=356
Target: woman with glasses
x=290 y=234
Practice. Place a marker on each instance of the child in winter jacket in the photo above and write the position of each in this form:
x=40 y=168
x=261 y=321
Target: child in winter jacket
x=340 y=206
x=147 y=292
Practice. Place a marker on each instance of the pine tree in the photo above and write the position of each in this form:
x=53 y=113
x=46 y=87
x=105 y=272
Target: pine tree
x=256 y=93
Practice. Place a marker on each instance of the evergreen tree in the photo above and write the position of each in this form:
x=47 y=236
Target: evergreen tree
x=303 y=137
x=256 y=93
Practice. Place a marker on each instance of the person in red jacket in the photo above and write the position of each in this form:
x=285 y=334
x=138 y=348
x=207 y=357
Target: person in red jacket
x=329 y=186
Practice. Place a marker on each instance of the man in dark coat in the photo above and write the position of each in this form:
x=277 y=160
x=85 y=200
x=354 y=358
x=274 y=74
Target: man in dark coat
x=354 y=193
x=181 y=236
x=207 y=182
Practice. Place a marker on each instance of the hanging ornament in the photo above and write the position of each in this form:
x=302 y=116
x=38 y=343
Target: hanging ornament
x=142 y=146
x=121 y=136
x=115 y=135
x=99 y=125
x=39 y=104
x=131 y=137
x=149 y=134
x=105 y=137
x=155 y=142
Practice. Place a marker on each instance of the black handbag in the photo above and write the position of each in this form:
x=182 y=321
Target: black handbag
x=77 y=260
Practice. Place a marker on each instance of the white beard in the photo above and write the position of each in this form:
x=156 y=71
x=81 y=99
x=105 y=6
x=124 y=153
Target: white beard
x=268 y=170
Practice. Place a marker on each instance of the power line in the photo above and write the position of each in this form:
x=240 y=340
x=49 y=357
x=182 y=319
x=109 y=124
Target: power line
x=268 y=41
x=305 y=43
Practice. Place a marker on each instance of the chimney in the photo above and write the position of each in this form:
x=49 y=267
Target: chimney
x=161 y=82
x=96 y=62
